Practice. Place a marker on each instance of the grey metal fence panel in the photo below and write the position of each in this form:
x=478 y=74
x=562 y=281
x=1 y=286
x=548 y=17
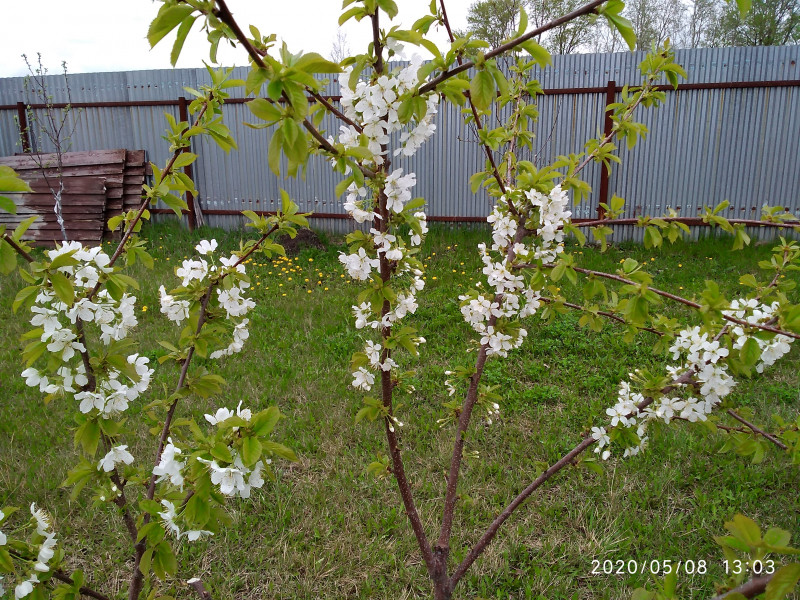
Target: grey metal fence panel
x=703 y=146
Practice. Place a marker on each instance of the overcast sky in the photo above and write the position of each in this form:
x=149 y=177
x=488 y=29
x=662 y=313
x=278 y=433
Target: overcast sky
x=110 y=35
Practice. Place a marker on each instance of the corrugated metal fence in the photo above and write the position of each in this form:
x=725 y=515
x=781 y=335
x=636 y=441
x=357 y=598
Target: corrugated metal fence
x=732 y=132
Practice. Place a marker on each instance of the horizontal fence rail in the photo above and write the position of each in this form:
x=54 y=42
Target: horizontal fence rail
x=731 y=132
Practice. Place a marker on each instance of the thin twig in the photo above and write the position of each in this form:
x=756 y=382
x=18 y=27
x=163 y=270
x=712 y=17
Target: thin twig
x=755 y=429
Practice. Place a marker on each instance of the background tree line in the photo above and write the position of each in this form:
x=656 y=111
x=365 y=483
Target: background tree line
x=694 y=24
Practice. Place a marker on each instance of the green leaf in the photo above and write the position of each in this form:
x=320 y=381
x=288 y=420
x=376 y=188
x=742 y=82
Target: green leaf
x=221 y=452
x=264 y=422
x=183 y=32
x=389 y=7
x=23 y=295
x=611 y=11
x=264 y=109
x=23 y=227
x=357 y=12
x=145 y=562
x=184 y=159
x=783 y=582
x=8 y=258
x=7 y=204
x=750 y=352
x=744 y=6
x=62 y=287
x=164 y=562
x=168 y=18
x=274 y=152
x=315 y=63
x=538 y=53
x=744 y=529
x=251 y=451
x=777 y=538
x=6 y=566
x=279 y=450
x=88 y=436
x=482 y=90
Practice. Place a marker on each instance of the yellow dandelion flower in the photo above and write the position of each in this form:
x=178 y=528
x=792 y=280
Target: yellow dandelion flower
x=144 y=309
x=326 y=289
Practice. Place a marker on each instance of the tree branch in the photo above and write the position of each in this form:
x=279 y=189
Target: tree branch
x=568 y=458
x=63 y=577
x=688 y=221
x=475 y=115
x=197 y=585
x=565 y=460
x=756 y=430
x=17 y=248
x=749 y=589
x=669 y=295
x=584 y=10
x=224 y=14
x=85 y=591
x=603 y=313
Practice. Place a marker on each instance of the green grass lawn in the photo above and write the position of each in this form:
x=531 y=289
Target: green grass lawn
x=326 y=529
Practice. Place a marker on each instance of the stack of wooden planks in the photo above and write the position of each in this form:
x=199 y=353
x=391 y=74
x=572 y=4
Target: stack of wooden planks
x=98 y=185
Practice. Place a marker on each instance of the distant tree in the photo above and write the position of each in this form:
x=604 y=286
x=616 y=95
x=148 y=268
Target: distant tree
x=654 y=21
x=340 y=49
x=700 y=24
x=571 y=37
x=493 y=20
x=496 y=20
x=769 y=23
x=50 y=125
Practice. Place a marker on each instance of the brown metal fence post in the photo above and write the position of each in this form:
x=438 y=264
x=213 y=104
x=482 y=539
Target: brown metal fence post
x=24 y=134
x=611 y=96
x=183 y=115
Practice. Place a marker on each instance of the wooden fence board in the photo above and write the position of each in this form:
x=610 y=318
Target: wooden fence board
x=98 y=185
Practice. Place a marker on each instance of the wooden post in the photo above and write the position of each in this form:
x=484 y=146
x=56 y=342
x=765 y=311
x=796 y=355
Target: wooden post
x=611 y=96
x=183 y=115
x=24 y=134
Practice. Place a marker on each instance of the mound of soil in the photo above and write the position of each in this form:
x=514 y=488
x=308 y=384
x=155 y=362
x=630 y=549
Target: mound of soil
x=304 y=239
